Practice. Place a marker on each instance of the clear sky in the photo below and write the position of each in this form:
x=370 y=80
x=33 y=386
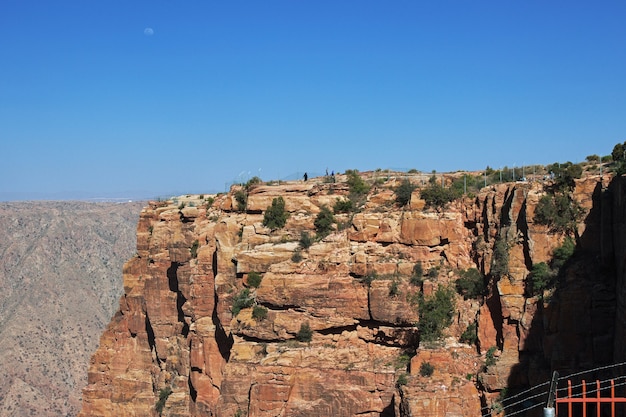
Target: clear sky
x=136 y=97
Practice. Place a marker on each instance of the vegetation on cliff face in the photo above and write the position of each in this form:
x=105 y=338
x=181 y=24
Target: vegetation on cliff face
x=324 y=221
x=500 y=260
x=471 y=284
x=435 y=313
x=560 y=212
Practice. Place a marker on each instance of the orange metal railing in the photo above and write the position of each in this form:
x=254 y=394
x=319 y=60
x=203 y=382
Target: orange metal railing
x=582 y=404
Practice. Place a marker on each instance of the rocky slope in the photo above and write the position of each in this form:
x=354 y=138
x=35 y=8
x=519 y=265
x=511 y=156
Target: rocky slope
x=60 y=273
x=176 y=338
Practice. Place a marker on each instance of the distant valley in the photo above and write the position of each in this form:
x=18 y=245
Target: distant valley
x=61 y=279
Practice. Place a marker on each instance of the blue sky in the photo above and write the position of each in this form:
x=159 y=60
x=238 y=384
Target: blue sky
x=93 y=103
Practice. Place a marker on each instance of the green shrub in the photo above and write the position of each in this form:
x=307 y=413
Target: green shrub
x=418 y=274
x=471 y=284
x=181 y=205
x=194 y=249
x=393 y=288
x=619 y=157
x=490 y=358
x=357 y=186
x=404 y=191
x=559 y=211
x=435 y=313
x=259 y=313
x=565 y=174
x=368 y=278
x=402 y=361
x=241 y=301
x=433 y=273
x=402 y=380
x=252 y=182
x=254 y=279
x=500 y=259
x=209 y=202
x=561 y=254
x=242 y=200
x=305 y=241
x=426 y=369
x=296 y=256
x=324 y=221
x=275 y=215
x=305 y=334
x=437 y=196
x=469 y=335
x=163 y=396
x=343 y=206
x=540 y=277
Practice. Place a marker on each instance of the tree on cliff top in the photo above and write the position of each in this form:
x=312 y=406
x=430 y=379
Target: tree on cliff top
x=619 y=158
x=404 y=191
x=437 y=196
x=564 y=175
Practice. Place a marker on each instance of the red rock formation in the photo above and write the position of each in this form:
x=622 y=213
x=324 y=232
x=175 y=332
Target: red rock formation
x=175 y=328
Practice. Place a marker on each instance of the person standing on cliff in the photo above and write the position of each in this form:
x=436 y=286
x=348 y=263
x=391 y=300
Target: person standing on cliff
x=306 y=176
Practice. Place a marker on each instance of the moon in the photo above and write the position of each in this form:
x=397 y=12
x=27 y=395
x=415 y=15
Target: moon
x=148 y=31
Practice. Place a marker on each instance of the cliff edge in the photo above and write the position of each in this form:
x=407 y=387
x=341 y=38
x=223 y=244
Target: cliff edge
x=223 y=316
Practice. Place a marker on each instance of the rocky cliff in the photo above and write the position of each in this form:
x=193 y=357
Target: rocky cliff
x=332 y=329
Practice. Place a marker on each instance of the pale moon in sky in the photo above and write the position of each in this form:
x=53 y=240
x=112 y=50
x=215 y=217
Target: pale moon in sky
x=148 y=31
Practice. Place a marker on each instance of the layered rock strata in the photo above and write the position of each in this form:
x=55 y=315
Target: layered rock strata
x=316 y=337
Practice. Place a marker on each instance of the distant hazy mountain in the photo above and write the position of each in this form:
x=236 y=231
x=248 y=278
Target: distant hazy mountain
x=60 y=279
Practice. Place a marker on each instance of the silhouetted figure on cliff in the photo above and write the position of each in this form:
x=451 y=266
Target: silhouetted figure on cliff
x=306 y=176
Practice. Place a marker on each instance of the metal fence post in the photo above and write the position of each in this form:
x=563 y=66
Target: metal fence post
x=549 y=410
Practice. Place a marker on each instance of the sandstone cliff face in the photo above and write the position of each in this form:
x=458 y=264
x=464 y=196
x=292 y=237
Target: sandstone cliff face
x=175 y=329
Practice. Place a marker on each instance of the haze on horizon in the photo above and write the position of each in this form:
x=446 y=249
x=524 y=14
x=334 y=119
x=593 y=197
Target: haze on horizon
x=149 y=98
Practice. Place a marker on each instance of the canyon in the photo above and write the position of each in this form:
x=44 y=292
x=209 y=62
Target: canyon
x=223 y=316
x=61 y=273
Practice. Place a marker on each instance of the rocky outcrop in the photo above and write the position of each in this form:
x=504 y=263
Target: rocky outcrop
x=331 y=328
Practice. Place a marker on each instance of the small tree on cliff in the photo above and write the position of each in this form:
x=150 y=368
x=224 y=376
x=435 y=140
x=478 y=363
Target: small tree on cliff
x=435 y=313
x=564 y=175
x=275 y=215
x=403 y=192
x=500 y=259
x=437 y=196
x=619 y=158
x=324 y=221
x=242 y=200
x=560 y=212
